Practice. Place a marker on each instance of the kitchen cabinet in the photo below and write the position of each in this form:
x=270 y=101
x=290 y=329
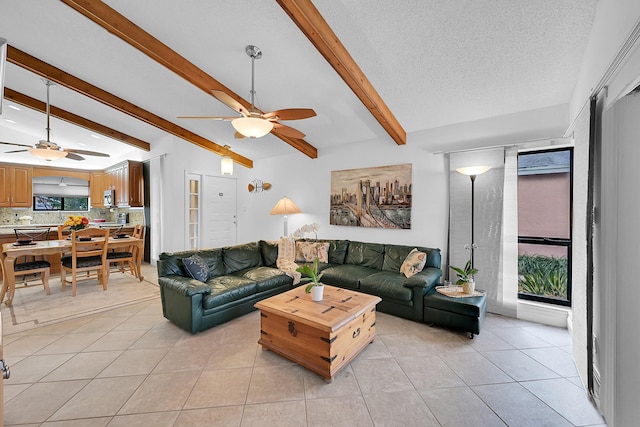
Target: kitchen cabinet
x=126 y=178
x=15 y=186
x=97 y=185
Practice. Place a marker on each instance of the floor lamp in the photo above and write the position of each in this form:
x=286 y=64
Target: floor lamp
x=473 y=171
x=283 y=207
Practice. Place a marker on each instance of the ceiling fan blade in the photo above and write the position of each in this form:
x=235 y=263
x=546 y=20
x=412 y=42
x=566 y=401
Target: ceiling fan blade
x=73 y=156
x=229 y=101
x=17 y=145
x=291 y=114
x=207 y=118
x=287 y=131
x=16 y=151
x=86 y=153
x=238 y=135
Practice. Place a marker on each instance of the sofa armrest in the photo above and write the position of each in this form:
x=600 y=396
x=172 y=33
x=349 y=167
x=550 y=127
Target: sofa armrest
x=427 y=278
x=184 y=285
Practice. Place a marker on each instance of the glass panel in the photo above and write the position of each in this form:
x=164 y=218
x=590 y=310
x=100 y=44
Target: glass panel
x=544 y=194
x=193 y=215
x=47 y=203
x=76 y=203
x=543 y=270
x=193 y=186
x=193 y=201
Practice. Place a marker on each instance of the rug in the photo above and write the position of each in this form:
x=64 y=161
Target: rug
x=33 y=308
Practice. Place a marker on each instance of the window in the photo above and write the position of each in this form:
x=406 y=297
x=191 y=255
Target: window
x=193 y=211
x=56 y=203
x=545 y=189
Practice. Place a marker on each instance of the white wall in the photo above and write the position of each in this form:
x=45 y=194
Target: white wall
x=613 y=23
x=307 y=182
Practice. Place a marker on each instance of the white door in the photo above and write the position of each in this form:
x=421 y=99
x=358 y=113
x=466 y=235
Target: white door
x=218 y=212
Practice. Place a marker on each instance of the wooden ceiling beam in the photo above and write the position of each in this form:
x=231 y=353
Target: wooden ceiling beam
x=118 y=25
x=305 y=15
x=35 y=104
x=41 y=68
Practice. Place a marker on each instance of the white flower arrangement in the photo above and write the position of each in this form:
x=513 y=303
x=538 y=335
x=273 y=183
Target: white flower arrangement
x=307 y=228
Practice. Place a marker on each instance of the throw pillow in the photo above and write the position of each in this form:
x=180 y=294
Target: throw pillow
x=196 y=267
x=307 y=251
x=413 y=263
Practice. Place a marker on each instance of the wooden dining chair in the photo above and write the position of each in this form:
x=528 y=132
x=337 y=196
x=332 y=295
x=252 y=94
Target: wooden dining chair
x=88 y=254
x=127 y=257
x=27 y=266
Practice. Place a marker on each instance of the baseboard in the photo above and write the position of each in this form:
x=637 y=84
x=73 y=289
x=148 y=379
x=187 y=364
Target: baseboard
x=544 y=313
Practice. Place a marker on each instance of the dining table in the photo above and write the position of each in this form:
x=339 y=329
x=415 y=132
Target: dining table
x=11 y=251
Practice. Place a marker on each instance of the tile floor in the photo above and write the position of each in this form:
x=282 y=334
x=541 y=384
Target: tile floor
x=131 y=367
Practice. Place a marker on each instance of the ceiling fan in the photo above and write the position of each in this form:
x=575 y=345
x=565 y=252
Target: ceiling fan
x=47 y=150
x=253 y=123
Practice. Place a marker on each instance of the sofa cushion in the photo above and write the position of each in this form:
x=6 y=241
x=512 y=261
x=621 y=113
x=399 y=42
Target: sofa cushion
x=240 y=257
x=213 y=259
x=346 y=275
x=269 y=251
x=196 y=267
x=365 y=254
x=387 y=285
x=266 y=277
x=413 y=263
x=338 y=251
x=394 y=256
x=226 y=289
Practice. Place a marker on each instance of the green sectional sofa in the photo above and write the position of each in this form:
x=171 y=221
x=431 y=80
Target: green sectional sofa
x=239 y=276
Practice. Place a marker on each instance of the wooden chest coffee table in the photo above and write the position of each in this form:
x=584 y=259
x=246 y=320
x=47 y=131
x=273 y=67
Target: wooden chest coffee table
x=321 y=336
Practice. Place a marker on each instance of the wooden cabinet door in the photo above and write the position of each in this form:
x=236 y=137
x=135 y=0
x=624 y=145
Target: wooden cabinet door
x=5 y=186
x=21 y=186
x=96 y=189
x=136 y=185
x=122 y=192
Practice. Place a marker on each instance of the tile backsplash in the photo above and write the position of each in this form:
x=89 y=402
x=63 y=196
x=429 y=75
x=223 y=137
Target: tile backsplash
x=10 y=216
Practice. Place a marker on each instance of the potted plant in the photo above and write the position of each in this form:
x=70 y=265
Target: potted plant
x=465 y=277
x=315 y=287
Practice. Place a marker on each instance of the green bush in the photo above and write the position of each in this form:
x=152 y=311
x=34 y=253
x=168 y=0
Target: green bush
x=542 y=275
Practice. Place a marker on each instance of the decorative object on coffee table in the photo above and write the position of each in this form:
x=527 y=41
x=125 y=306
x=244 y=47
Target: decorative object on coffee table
x=315 y=287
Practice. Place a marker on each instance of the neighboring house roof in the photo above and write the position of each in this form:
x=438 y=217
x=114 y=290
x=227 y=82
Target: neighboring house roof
x=544 y=162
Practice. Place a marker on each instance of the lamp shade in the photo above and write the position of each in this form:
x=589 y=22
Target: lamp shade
x=284 y=207
x=226 y=163
x=48 y=154
x=252 y=127
x=473 y=170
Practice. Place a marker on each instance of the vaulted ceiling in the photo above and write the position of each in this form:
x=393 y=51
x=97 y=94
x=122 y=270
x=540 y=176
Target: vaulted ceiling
x=372 y=71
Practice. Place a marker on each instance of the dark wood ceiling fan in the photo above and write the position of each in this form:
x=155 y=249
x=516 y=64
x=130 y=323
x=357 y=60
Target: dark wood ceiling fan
x=253 y=123
x=48 y=150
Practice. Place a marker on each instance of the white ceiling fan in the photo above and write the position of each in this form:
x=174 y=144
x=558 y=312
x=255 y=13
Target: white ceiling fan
x=253 y=123
x=47 y=150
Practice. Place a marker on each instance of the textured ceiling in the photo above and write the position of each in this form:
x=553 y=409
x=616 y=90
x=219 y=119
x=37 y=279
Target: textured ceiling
x=434 y=63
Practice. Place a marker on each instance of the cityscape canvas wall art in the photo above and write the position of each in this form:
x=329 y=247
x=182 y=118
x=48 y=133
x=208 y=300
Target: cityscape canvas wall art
x=378 y=197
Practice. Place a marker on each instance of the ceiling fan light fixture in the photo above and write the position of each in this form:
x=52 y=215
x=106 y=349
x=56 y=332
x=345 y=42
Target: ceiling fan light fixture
x=252 y=127
x=47 y=154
